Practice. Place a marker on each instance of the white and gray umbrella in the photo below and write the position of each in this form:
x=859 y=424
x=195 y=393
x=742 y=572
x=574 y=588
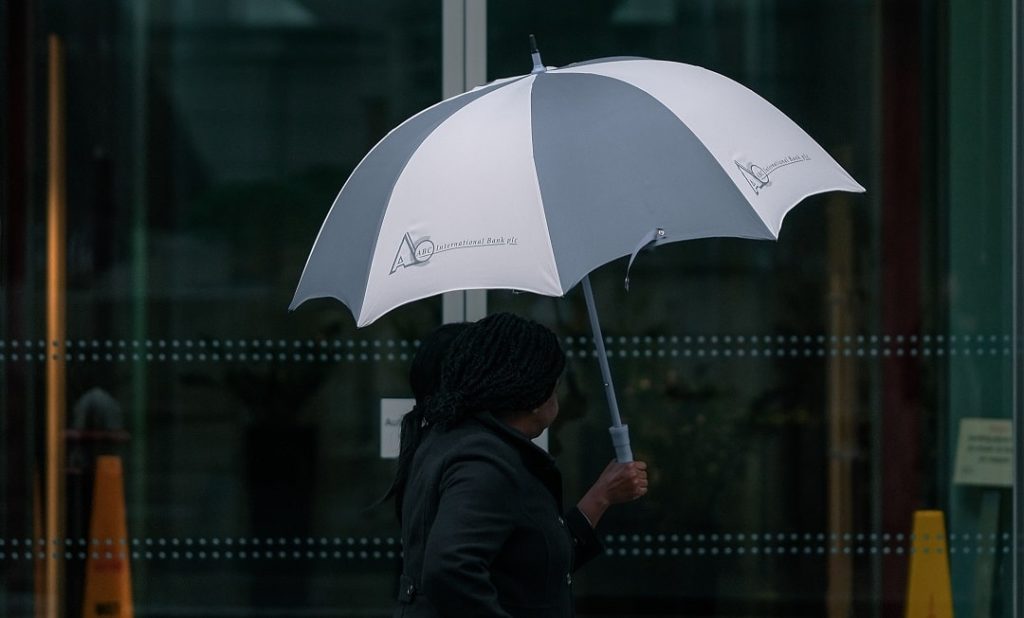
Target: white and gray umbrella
x=531 y=182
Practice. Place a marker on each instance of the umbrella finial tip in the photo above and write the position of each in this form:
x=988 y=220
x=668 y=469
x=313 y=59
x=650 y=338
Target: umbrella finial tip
x=538 y=65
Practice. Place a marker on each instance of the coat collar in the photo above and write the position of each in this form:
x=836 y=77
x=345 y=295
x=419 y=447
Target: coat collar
x=516 y=438
x=539 y=461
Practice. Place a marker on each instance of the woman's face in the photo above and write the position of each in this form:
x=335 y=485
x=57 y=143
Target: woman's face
x=547 y=412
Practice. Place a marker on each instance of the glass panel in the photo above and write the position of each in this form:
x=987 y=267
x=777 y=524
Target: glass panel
x=800 y=401
x=205 y=143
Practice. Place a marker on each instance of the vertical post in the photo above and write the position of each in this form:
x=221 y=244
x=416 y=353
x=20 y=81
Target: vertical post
x=56 y=264
x=902 y=414
x=463 y=66
x=475 y=37
x=475 y=71
x=841 y=411
x=19 y=407
x=985 y=564
x=453 y=47
x=453 y=82
x=1017 y=370
x=979 y=123
x=39 y=532
x=138 y=25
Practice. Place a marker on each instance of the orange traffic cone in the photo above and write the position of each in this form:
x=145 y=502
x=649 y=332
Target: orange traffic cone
x=928 y=589
x=108 y=578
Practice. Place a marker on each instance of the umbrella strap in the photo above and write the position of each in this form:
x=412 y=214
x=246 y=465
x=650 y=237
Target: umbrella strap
x=650 y=238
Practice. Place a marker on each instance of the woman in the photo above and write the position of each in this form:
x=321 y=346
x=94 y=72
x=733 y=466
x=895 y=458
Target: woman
x=483 y=528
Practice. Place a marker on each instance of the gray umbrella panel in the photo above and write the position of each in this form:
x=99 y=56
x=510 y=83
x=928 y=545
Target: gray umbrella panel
x=614 y=163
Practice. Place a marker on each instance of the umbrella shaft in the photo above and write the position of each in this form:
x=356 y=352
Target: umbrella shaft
x=602 y=355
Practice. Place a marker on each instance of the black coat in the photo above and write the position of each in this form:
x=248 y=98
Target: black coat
x=483 y=529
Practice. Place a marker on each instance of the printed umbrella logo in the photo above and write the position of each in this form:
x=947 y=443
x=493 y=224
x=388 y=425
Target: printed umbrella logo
x=412 y=253
x=754 y=175
x=757 y=176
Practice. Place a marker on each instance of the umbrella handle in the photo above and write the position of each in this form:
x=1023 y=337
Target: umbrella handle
x=620 y=432
x=620 y=440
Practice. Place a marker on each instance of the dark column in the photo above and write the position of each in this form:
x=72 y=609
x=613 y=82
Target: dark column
x=901 y=304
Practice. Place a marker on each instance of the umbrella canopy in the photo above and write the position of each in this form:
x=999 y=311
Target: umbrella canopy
x=531 y=182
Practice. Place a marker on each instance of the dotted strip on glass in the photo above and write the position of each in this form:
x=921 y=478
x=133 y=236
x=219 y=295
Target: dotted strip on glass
x=401 y=350
x=804 y=544
x=201 y=548
x=687 y=545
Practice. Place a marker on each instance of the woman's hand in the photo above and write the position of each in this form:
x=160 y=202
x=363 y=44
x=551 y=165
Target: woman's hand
x=623 y=482
x=619 y=483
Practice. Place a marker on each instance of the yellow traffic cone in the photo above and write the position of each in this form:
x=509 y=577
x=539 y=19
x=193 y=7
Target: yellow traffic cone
x=928 y=588
x=108 y=578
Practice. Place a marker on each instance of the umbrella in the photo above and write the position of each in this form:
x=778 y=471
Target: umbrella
x=531 y=182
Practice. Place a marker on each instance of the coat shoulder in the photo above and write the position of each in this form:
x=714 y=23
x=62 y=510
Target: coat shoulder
x=468 y=443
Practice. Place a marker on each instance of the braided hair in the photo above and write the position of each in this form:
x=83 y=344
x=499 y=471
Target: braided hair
x=424 y=379
x=501 y=364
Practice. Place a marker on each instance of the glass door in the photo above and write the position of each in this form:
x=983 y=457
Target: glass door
x=202 y=145
x=825 y=414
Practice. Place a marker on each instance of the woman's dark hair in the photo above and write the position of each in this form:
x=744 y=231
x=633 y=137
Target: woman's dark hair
x=501 y=364
x=424 y=379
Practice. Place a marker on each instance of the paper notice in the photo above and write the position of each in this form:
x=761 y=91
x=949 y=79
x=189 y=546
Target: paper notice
x=984 y=453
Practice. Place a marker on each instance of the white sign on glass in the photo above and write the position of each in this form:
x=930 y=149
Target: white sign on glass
x=391 y=413
x=984 y=453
